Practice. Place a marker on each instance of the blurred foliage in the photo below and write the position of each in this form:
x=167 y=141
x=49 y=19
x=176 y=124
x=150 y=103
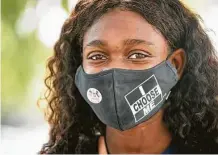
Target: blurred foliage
x=20 y=57
x=65 y=5
x=11 y=10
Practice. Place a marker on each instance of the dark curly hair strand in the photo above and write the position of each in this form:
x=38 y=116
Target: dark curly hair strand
x=192 y=111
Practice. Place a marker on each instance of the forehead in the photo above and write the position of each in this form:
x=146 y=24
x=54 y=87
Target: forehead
x=118 y=25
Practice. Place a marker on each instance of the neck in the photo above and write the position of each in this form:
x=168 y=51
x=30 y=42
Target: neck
x=151 y=136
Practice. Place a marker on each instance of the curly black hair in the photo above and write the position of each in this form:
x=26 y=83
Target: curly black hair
x=192 y=112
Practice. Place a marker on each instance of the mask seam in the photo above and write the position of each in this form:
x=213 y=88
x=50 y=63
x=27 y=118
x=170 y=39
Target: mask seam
x=116 y=103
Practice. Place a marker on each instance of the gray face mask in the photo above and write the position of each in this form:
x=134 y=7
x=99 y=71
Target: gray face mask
x=124 y=98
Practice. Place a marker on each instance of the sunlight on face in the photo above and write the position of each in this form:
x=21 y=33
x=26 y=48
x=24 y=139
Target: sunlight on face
x=131 y=43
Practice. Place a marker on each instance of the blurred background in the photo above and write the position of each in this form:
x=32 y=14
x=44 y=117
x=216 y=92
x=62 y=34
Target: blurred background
x=29 y=29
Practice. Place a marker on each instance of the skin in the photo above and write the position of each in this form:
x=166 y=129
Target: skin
x=124 y=39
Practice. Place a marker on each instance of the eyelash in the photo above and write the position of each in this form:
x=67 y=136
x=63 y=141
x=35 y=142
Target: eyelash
x=99 y=56
x=139 y=54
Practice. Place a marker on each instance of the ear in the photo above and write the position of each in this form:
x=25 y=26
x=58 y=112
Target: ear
x=178 y=59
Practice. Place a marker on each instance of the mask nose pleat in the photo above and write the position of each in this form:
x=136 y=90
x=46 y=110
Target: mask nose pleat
x=116 y=101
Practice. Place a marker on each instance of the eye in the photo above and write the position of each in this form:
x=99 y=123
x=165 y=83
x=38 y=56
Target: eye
x=138 y=55
x=97 y=56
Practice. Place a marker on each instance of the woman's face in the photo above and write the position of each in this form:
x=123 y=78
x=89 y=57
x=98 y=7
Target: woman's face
x=122 y=39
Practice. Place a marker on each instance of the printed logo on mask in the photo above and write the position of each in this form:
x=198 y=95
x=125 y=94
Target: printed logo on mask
x=94 y=95
x=144 y=98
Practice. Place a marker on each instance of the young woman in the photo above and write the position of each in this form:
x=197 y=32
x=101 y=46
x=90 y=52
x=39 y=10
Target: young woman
x=132 y=76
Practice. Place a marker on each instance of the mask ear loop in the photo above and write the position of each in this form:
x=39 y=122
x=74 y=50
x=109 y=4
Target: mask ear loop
x=168 y=56
x=169 y=63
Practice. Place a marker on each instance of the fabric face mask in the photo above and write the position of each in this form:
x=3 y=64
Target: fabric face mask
x=124 y=98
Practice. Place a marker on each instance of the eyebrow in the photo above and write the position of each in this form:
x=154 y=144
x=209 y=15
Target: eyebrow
x=127 y=42
x=97 y=43
x=131 y=42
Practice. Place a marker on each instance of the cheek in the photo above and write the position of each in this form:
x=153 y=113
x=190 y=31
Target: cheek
x=160 y=58
x=91 y=69
x=86 y=67
x=161 y=53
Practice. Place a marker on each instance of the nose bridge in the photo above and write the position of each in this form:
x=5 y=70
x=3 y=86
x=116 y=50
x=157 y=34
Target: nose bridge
x=117 y=62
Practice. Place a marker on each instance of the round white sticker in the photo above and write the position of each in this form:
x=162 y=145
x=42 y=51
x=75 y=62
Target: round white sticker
x=94 y=95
